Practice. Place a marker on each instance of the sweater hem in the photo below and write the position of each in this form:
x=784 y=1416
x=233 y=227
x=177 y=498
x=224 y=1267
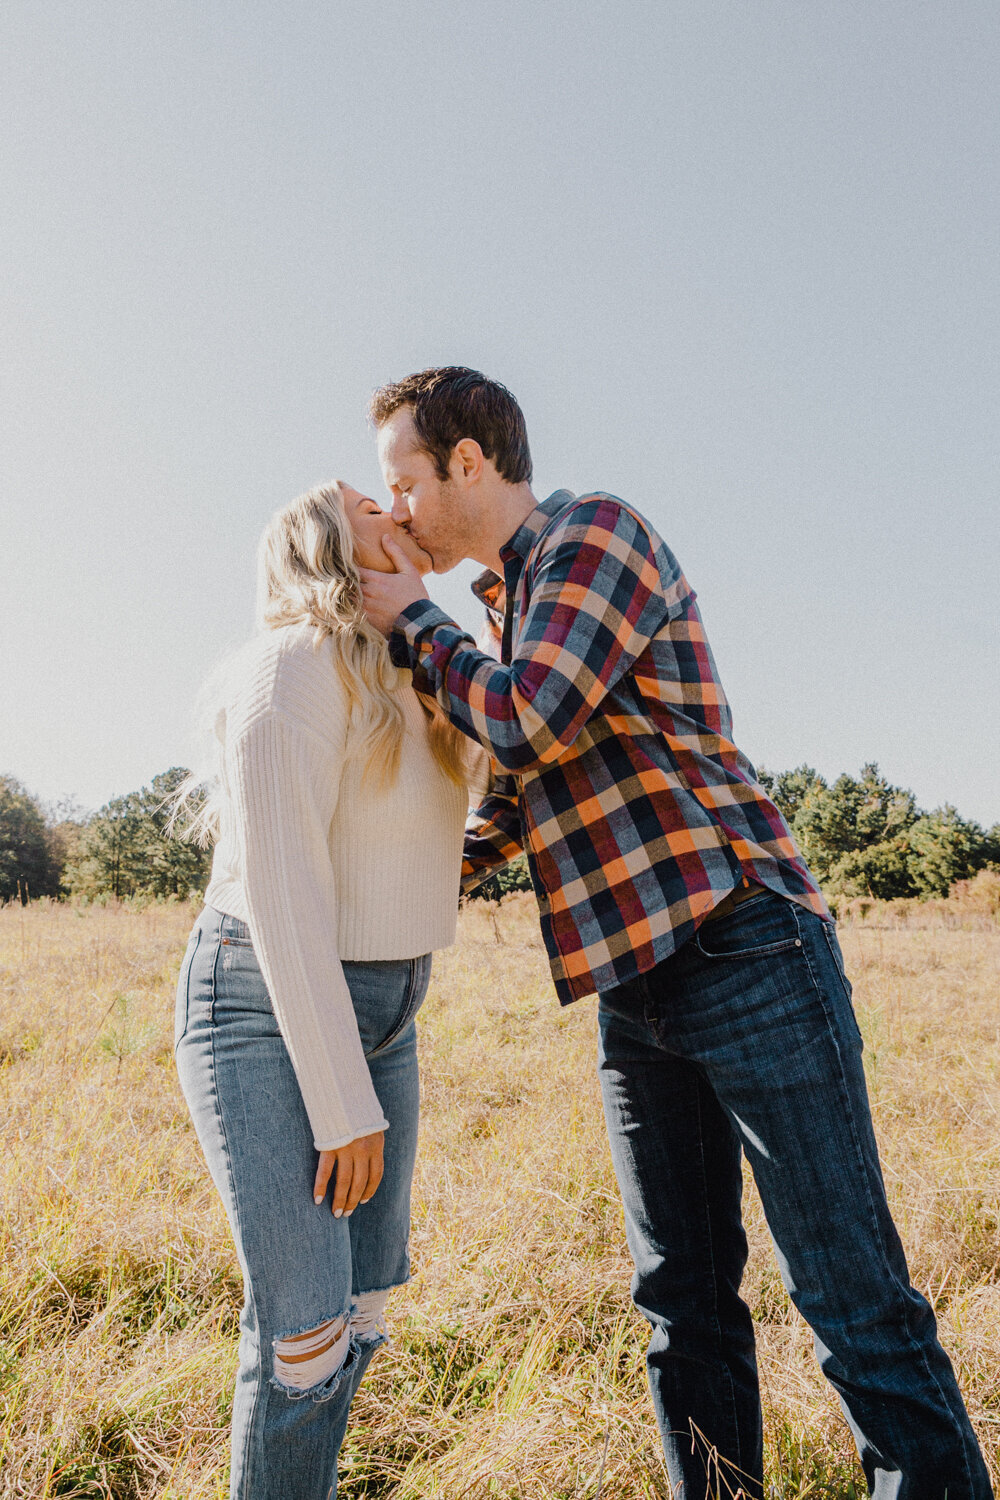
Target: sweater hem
x=227 y=896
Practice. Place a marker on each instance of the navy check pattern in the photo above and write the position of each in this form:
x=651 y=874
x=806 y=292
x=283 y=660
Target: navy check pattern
x=610 y=739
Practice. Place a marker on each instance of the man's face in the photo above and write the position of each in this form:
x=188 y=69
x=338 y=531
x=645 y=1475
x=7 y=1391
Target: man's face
x=438 y=513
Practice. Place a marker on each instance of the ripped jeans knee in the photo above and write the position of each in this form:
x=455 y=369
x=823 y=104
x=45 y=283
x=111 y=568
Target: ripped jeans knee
x=315 y=1361
x=304 y=1362
x=368 y=1316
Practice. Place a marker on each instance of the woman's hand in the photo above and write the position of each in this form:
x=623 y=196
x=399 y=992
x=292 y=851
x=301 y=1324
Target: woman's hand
x=359 y=1168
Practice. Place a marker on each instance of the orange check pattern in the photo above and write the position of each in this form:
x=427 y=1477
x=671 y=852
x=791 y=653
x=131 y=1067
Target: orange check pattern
x=611 y=743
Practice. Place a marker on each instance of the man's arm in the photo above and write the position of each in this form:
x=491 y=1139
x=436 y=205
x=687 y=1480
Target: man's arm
x=492 y=834
x=596 y=600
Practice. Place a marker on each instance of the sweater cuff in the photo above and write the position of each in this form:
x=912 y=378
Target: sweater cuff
x=334 y=1142
x=419 y=619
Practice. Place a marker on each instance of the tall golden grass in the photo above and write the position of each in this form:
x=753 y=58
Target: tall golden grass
x=517 y=1364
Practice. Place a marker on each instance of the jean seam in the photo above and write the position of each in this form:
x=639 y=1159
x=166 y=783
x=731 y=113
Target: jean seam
x=829 y=933
x=189 y=961
x=886 y=1263
x=261 y=1386
x=734 y=1419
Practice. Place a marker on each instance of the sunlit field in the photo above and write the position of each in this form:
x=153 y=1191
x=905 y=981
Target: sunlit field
x=516 y=1368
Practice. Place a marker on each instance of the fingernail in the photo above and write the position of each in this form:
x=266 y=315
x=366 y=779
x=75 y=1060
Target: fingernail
x=317 y=1197
x=337 y=1212
x=347 y=1215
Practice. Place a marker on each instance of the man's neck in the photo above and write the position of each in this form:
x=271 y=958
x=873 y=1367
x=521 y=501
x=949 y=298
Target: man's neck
x=508 y=507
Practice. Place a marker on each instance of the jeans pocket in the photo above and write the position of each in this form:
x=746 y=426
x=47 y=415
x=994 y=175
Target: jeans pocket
x=416 y=988
x=233 y=933
x=758 y=930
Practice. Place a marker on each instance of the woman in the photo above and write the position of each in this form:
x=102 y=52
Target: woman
x=338 y=817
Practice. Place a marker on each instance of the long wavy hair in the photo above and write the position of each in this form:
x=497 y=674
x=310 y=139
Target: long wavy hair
x=307 y=575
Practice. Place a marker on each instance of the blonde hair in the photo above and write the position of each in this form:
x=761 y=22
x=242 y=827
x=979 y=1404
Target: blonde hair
x=307 y=575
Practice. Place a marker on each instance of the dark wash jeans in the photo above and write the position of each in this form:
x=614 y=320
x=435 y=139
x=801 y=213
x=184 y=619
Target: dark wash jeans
x=745 y=1041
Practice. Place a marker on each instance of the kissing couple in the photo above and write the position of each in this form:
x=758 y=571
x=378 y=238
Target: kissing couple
x=591 y=729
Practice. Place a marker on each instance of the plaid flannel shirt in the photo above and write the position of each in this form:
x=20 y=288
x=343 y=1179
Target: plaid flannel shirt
x=610 y=739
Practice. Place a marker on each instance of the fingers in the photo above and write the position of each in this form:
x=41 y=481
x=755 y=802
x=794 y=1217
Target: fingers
x=360 y=1165
x=397 y=556
x=387 y=595
x=359 y=1181
x=376 y=1168
x=323 y=1170
x=345 y=1180
x=372 y=582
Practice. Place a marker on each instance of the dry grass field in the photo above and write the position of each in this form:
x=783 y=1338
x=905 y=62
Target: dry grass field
x=517 y=1364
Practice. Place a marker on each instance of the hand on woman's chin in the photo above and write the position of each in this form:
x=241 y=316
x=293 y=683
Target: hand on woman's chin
x=415 y=554
x=376 y=557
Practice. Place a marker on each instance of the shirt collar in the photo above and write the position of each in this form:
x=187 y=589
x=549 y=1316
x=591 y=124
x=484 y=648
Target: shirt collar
x=488 y=584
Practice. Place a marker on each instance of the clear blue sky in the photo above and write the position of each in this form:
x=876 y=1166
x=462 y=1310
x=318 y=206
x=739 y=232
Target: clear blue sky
x=738 y=261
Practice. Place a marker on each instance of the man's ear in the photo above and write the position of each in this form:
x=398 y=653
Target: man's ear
x=467 y=461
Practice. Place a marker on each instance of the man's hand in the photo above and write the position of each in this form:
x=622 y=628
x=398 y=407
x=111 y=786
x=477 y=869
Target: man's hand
x=388 y=594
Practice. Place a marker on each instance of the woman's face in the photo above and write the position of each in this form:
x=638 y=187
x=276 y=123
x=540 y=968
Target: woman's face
x=370 y=524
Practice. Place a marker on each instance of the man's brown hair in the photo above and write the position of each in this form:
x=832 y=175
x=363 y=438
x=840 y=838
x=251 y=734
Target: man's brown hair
x=452 y=403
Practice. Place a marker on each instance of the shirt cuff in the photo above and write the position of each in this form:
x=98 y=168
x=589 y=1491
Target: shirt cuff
x=420 y=618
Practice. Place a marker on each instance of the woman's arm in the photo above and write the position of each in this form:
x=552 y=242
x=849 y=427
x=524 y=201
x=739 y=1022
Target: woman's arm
x=284 y=780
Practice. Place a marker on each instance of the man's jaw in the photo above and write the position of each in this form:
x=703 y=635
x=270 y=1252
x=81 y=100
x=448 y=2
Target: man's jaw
x=447 y=562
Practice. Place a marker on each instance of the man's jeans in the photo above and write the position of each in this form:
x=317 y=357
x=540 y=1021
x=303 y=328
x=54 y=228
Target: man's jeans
x=745 y=1039
x=302 y=1268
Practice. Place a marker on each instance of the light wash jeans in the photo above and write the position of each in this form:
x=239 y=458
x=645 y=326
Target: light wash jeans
x=744 y=1043
x=301 y=1267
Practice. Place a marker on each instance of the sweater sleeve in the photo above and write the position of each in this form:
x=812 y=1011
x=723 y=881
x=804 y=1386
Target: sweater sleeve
x=284 y=782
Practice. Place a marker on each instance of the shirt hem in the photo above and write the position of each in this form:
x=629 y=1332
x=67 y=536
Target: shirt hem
x=568 y=991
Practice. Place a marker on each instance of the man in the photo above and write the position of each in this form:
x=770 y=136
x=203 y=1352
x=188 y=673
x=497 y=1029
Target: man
x=669 y=884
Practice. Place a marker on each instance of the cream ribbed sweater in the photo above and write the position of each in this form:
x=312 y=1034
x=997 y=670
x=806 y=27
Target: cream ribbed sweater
x=325 y=865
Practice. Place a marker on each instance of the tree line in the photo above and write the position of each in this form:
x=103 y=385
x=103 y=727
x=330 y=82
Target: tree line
x=861 y=836
x=122 y=851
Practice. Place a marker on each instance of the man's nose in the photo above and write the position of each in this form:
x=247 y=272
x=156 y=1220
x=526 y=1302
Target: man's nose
x=400 y=510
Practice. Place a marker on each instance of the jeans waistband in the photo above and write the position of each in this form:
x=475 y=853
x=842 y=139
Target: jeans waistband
x=734 y=899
